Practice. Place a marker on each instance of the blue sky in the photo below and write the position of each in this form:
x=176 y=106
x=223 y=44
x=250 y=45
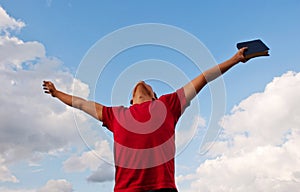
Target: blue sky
x=49 y=39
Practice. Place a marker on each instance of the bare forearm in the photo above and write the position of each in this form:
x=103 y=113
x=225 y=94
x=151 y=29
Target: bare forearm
x=193 y=87
x=218 y=70
x=70 y=100
x=92 y=108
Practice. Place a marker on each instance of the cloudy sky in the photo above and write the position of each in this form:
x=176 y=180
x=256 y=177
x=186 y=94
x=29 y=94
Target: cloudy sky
x=242 y=133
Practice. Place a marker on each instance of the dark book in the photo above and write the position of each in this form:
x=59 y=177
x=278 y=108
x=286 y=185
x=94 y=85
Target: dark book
x=256 y=48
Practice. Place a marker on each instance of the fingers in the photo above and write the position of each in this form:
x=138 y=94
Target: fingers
x=242 y=54
x=47 y=83
x=48 y=86
x=244 y=48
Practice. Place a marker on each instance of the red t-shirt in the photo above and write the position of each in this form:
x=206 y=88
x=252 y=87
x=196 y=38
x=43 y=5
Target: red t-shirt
x=144 y=142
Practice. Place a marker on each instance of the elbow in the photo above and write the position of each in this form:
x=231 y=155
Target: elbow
x=78 y=104
x=208 y=77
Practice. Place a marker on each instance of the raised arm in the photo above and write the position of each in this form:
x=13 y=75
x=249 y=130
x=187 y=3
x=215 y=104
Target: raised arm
x=193 y=87
x=92 y=108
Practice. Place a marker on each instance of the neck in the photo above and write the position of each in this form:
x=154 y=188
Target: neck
x=141 y=99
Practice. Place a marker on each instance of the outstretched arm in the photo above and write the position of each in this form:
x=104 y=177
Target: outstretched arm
x=92 y=108
x=193 y=87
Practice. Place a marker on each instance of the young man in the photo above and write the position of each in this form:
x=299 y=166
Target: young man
x=144 y=133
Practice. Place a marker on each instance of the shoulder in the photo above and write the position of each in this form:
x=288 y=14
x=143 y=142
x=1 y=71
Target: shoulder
x=175 y=101
x=177 y=95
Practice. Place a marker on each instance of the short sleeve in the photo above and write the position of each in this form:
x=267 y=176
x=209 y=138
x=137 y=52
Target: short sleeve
x=108 y=117
x=176 y=102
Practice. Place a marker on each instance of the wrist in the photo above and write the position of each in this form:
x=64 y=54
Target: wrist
x=235 y=60
x=54 y=93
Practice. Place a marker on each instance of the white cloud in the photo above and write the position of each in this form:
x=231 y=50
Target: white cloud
x=265 y=118
x=57 y=186
x=5 y=174
x=258 y=148
x=9 y=23
x=184 y=136
x=14 y=52
x=2 y=189
x=90 y=159
x=32 y=121
x=34 y=124
x=99 y=161
x=60 y=185
x=103 y=173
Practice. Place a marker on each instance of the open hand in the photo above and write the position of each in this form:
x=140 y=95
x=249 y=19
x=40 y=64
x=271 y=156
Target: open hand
x=49 y=88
